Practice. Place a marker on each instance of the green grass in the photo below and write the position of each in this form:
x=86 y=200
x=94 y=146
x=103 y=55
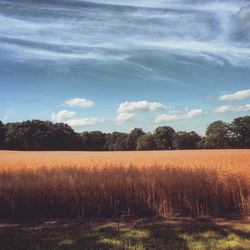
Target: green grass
x=175 y=233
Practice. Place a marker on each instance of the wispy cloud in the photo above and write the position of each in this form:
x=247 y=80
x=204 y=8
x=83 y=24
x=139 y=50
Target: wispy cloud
x=83 y=122
x=244 y=15
x=126 y=110
x=44 y=30
x=139 y=106
x=175 y=117
x=237 y=96
x=124 y=117
x=167 y=118
x=193 y=113
x=80 y=102
x=62 y=115
x=233 y=109
x=69 y=117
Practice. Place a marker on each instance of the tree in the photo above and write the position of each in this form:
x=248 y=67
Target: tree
x=2 y=135
x=218 y=135
x=94 y=140
x=241 y=132
x=164 y=137
x=45 y=135
x=40 y=135
x=186 y=140
x=202 y=144
x=146 y=142
x=116 y=141
x=133 y=137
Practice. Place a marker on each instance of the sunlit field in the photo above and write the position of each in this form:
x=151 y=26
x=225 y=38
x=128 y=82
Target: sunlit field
x=121 y=184
x=235 y=160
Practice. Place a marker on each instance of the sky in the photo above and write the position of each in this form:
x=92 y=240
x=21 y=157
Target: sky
x=113 y=65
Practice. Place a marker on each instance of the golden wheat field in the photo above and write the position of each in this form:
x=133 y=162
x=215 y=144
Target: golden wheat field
x=108 y=184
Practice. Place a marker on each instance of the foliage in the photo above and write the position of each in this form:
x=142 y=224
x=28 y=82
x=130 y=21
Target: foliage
x=218 y=135
x=44 y=135
x=40 y=135
x=146 y=142
x=164 y=137
x=94 y=140
x=241 y=129
x=116 y=141
x=186 y=140
x=2 y=134
x=133 y=137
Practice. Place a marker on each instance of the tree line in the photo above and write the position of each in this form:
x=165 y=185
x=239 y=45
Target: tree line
x=45 y=135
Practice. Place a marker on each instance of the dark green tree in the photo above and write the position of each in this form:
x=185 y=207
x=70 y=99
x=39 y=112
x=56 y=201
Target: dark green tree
x=164 y=137
x=40 y=135
x=218 y=135
x=116 y=141
x=146 y=142
x=2 y=135
x=133 y=137
x=186 y=140
x=202 y=144
x=241 y=132
x=94 y=140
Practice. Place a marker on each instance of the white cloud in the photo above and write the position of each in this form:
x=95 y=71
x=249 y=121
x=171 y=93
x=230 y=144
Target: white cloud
x=83 y=122
x=124 y=117
x=244 y=16
x=193 y=113
x=140 y=106
x=62 y=115
x=240 y=95
x=167 y=118
x=175 y=117
x=69 y=117
x=80 y=102
x=229 y=108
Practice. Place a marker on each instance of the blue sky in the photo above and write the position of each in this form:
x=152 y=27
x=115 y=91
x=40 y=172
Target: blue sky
x=115 y=65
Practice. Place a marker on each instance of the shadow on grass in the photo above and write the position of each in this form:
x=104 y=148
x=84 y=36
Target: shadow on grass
x=175 y=233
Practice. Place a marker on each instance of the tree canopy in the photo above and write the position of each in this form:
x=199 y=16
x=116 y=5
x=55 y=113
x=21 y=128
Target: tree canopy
x=45 y=135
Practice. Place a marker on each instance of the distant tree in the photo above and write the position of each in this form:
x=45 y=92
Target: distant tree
x=2 y=135
x=15 y=136
x=65 y=138
x=146 y=142
x=44 y=135
x=94 y=140
x=164 y=137
x=40 y=135
x=133 y=137
x=116 y=141
x=240 y=128
x=186 y=140
x=218 y=135
x=202 y=144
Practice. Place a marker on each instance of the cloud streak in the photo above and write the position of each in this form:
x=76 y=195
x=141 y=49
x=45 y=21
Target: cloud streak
x=83 y=122
x=64 y=31
x=237 y=96
x=176 y=117
x=70 y=118
x=62 y=115
x=126 y=110
x=124 y=117
x=80 y=102
x=139 y=106
x=232 y=109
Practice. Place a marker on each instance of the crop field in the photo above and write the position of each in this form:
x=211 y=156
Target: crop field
x=124 y=184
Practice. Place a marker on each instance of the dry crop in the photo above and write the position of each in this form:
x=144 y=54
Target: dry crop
x=63 y=184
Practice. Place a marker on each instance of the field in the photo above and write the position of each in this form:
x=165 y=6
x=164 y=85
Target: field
x=122 y=188
x=60 y=184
